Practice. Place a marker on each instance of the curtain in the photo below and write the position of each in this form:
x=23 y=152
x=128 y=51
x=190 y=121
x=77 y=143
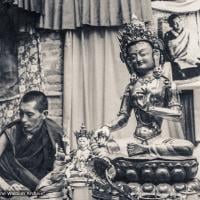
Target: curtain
x=30 y=76
x=71 y=14
x=178 y=6
x=94 y=81
x=187 y=101
x=94 y=78
x=197 y=113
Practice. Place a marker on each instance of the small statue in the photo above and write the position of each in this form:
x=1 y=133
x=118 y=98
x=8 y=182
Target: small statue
x=80 y=157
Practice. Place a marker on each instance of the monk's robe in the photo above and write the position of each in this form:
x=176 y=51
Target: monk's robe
x=178 y=49
x=25 y=160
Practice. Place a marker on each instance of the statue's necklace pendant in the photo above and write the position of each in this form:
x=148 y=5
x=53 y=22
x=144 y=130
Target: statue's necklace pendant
x=146 y=80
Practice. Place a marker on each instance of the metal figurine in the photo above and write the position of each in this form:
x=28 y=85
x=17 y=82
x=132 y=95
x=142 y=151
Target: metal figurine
x=78 y=172
x=166 y=164
x=79 y=157
x=150 y=94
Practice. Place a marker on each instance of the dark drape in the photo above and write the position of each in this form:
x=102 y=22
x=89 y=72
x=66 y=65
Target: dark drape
x=29 y=5
x=187 y=101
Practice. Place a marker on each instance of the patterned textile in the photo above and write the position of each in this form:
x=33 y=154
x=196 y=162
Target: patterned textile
x=30 y=75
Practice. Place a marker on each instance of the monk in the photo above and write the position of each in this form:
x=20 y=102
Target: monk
x=27 y=145
x=185 y=63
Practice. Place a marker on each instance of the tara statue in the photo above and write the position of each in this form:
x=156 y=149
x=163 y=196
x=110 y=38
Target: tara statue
x=153 y=161
x=150 y=94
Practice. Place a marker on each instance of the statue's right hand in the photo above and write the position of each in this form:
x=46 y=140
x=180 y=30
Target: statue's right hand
x=102 y=132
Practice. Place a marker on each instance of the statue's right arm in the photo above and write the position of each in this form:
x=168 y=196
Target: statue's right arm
x=118 y=123
x=124 y=113
x=122 y=117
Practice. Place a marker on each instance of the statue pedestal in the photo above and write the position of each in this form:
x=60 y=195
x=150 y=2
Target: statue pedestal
x=147 y=178
x=80 y=187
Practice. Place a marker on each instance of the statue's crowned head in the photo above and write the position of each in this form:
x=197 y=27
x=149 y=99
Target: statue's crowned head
x=136 y=32
x=83 y=133
x=83 y=137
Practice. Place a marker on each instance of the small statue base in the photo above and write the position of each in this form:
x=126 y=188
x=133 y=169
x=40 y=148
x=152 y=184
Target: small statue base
x=81 y=188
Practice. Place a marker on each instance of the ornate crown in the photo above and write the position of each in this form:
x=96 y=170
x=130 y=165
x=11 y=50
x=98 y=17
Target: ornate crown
x=83 y=133
x=134 y=32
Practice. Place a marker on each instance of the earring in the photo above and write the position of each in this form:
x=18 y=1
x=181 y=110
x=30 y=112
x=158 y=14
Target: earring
x=158 y=70
x=133 y=78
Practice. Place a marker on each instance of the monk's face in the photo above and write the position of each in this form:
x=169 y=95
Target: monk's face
x=30 y=116
x=177 y=24
x=140 y=56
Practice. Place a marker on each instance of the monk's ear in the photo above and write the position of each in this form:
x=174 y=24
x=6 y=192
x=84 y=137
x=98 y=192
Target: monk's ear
x=45 y=113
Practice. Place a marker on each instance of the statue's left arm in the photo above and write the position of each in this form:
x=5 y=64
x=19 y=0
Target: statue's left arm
x=172 y=109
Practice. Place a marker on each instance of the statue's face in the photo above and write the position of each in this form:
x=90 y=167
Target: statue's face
x=140 y=57
x=83 y=142
x=30 y=116
x=177 y=24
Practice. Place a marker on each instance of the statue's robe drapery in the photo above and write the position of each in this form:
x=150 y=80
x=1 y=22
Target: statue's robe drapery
x=27 y=161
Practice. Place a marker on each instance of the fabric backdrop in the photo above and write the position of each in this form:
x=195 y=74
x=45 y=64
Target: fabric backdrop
x=94 y=81
x=179 y=6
